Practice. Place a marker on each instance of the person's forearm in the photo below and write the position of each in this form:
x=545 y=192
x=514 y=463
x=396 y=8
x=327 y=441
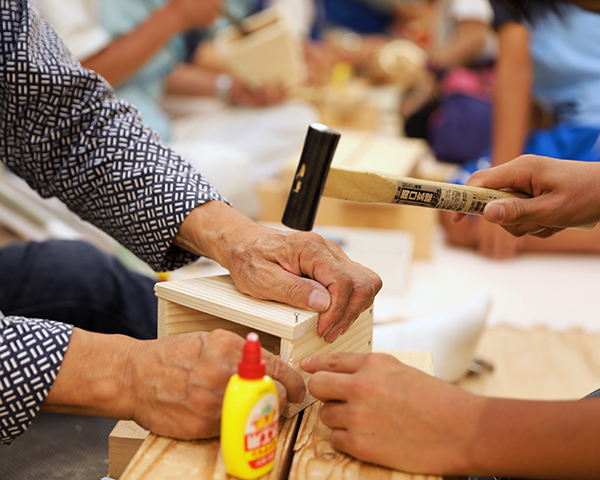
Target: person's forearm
x=533 y=439
x=94 y=377
x=123 y=57
x=207 y=230
x=190 y=79
x=468 y=41
x=512 y=102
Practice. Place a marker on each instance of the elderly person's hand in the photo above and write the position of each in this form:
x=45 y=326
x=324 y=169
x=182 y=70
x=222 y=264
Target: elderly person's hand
x=297 y=268
x=173 y=386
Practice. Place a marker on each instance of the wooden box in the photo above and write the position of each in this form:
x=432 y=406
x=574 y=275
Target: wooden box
x=269 y=54
x=208 y=303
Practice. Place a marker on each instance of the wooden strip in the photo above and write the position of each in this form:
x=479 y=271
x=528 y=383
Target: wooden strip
x=357 y=339
x=222 y=299
x=161 y=458
x=175 y=319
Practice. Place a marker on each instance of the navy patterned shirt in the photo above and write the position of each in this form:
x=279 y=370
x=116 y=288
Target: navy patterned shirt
x=64 y=132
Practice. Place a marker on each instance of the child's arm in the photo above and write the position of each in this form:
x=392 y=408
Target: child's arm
x=512 y=100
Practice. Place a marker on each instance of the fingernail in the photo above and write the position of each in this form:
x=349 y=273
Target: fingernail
x=304 y=363
x=327 y=330
x=494 y=212
x=318 y=301
x=335 y=335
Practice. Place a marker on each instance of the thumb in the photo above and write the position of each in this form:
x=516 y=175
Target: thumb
x=506 y=211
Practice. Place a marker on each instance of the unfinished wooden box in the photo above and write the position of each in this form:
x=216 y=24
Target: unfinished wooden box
x=207 y=303
x=268 y=54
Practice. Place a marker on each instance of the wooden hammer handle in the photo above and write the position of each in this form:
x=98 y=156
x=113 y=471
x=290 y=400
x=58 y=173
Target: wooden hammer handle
x=373 y=187
x=348 y=183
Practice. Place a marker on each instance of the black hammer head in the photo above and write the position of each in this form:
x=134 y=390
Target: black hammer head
x=311 y=175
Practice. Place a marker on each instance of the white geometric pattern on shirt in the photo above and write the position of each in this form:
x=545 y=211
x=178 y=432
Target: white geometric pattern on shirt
x=63 y=131
x=30 y=355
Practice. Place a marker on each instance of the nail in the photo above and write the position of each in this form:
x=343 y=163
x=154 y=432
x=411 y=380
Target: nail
x=304 y=363
x=319 y=301
x=335 y=335
x=494 y=212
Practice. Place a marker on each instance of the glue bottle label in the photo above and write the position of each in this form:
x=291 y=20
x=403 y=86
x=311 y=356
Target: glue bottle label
x=261 y=432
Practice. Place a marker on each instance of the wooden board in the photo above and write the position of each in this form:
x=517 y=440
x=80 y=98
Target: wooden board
x=162 y=458
x=537 y=364
x=221 y=299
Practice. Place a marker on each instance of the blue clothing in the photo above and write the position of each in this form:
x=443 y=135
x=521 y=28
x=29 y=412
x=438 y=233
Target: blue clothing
x=144 y=90
x=564 y=142
x=357 y=16
x=566 y=65
x=73 y=282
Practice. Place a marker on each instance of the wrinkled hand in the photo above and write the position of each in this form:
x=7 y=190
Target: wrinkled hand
x=195 y=13
x=565 y=194
x=297 y=268
x=384 y=412
x=179 y=382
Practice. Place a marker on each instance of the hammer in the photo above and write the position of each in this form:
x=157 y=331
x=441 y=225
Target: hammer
x=314 y=178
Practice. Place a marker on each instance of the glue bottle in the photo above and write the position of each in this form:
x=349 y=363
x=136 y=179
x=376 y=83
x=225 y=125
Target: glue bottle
x=250 y=420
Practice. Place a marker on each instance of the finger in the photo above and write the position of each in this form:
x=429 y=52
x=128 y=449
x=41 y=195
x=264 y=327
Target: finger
x=281 y=395
x=513 y=211
x=502 y=176
x=333 y=414
x=457 y=217
x=340 y=362
x=288 y=376
x=328 y=386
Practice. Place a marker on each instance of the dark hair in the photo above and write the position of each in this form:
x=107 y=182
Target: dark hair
x=531 y=10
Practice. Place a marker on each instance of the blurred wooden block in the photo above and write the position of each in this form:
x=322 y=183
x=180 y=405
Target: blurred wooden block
x=303 y=450
x=208 y=303
x=269 y=54
x=393 y=155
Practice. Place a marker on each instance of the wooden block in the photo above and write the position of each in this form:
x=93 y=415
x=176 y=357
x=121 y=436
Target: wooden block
x=123 y=443
x=269 y=54
x=162 y=458
x=204 y=304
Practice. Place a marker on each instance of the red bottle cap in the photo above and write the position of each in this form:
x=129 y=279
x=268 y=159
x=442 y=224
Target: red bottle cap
x=252 y=366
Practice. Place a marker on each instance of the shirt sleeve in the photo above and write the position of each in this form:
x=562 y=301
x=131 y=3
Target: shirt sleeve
x=65 y=133
x=31 y=352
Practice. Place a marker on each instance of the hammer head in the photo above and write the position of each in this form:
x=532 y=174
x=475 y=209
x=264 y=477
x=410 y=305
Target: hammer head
x=311 y=175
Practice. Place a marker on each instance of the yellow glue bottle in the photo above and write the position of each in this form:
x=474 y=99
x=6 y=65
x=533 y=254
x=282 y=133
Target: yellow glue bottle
x=250 y=420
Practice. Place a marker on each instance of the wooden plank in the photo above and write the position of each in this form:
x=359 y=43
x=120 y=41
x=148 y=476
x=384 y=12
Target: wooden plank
x=162 y=458
x=221 y=299
x=537 y=364
x=315 y=457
